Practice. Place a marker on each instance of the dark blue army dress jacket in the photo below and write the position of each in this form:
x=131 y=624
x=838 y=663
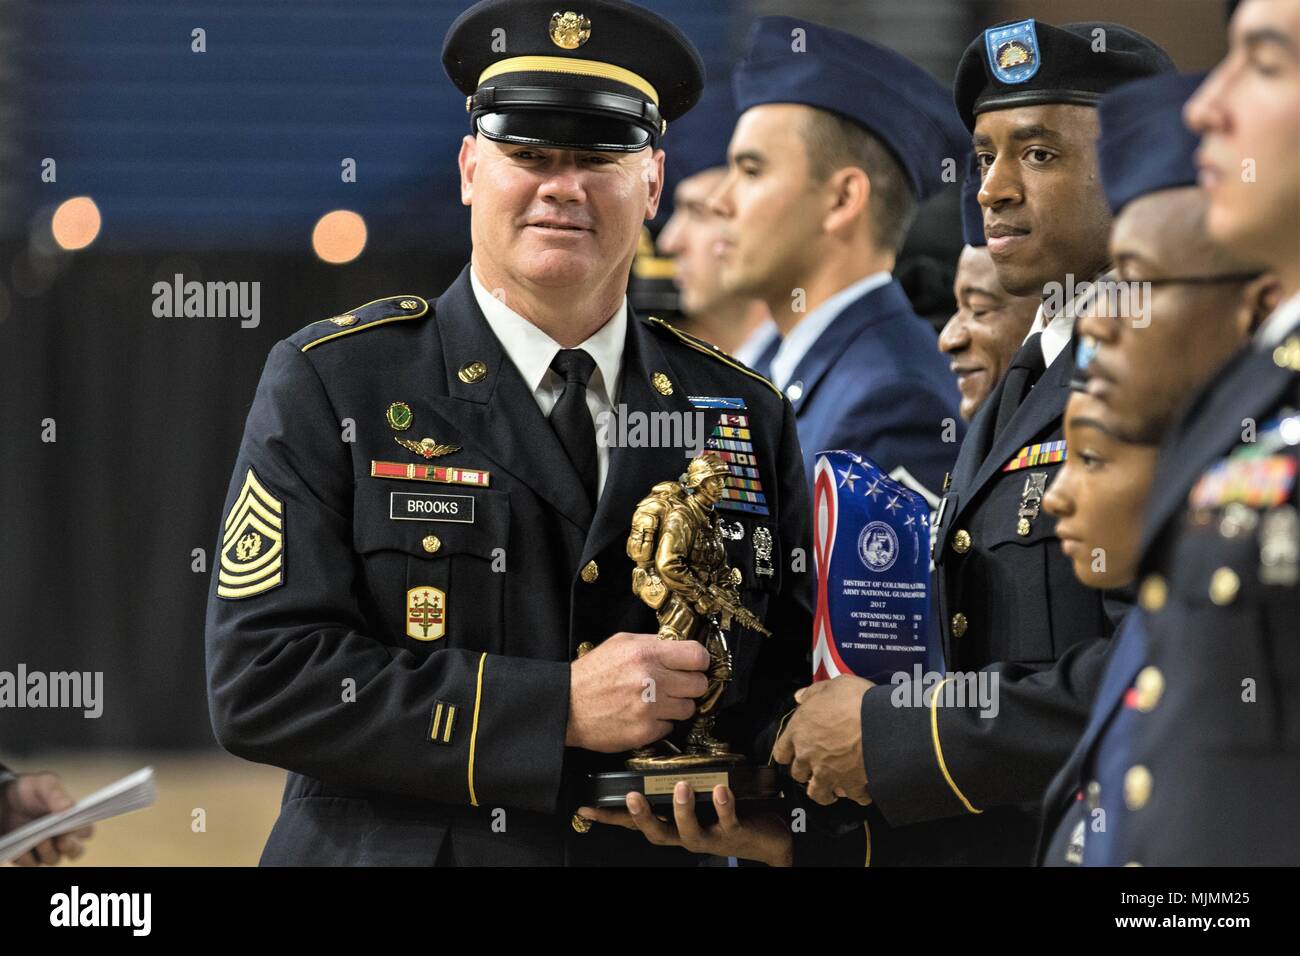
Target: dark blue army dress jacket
x=395 y=611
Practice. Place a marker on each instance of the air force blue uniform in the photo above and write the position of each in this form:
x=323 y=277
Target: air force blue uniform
x=873 y=382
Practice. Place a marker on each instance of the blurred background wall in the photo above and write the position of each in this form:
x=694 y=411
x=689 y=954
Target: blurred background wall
x=218 y=165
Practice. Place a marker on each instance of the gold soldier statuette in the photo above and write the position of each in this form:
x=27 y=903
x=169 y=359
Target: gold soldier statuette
x=682 y=572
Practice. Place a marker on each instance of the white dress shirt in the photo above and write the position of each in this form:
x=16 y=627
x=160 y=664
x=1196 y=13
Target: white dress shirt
x=1056 y=332
x=810 y=328
x=532 y=351
x=1281 y=322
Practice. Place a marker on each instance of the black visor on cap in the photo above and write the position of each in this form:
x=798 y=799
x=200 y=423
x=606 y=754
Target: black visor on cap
x=563 y=130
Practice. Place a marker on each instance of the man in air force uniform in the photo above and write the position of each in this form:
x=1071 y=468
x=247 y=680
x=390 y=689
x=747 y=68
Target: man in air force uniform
x=430 y=623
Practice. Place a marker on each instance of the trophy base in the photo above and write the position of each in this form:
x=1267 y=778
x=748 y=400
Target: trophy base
x=703 y=773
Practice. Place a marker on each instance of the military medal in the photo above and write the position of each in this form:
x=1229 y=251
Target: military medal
x=730 y=437
x=444 y=474
x=1031 y=500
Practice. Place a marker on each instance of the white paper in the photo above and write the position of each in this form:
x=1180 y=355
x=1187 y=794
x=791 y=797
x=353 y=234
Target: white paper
x=133 y=792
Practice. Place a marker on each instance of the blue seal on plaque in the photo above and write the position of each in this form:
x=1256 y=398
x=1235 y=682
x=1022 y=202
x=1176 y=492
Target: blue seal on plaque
x=872 y=551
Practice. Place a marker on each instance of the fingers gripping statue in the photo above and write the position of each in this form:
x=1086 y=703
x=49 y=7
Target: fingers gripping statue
x=682 y=572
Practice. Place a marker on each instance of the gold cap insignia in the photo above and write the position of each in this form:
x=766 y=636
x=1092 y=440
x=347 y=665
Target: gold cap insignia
x=569 y=30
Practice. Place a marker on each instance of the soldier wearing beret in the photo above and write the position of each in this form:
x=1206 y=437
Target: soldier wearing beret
x=1193 y=747
x=430 y=623
x=950 y=784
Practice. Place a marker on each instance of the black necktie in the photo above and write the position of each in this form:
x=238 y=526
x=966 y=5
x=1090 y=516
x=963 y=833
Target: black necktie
x=1026 y=366
x=571 y=418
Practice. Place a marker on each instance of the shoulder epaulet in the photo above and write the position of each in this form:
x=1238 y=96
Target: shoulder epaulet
x=394 y=308
x=711 y=350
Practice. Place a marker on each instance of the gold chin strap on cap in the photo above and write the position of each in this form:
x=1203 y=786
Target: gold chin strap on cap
x=565 y=64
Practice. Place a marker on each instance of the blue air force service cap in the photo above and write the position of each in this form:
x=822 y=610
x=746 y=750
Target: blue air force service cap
x=972 y=214
x=699 y=140
x=793 y=61
x=1030 y=63
x=608 y=75
x=1144 y=146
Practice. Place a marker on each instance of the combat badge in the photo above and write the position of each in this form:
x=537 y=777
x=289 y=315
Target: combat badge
x=252 y=545
x=1031 y=500
x=426 y=613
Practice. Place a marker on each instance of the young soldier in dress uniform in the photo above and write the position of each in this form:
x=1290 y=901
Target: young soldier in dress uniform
x=1193 y=748
x=838 y=141
x=955 y=785
x=430 y=623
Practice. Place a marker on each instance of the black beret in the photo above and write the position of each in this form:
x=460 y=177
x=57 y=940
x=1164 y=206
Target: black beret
x=608 y=75
x=1028 y=63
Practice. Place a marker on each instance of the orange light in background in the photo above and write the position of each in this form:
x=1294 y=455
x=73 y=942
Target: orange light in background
x=76 y=223
x=339 y=236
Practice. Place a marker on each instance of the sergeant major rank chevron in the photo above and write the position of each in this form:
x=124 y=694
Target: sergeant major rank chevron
x=252 y=546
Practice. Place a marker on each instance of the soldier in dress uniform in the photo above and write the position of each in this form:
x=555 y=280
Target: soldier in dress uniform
x=1193 y=747
x=838 y=141
x=430 y=623
x=950 y=784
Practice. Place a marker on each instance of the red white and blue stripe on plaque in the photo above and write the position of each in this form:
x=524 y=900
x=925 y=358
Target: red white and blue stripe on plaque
x=727 y=430
x=871 y=545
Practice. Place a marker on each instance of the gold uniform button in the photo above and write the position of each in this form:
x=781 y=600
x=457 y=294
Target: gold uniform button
x=590 y=571
x=1150 y=686
x=585 y=648
x=1094 y=795
x=581 y=823
x=1224 y=585
x=961 y=541
x=959 y=623
x=431 y=543
x=1137 y=787
x=1153 y=593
